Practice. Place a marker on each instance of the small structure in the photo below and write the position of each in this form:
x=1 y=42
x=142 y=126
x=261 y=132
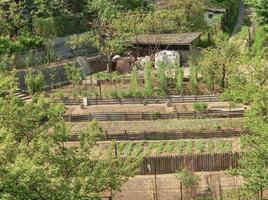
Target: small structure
x=167 y=57
x=151 y=44
x=214 y=14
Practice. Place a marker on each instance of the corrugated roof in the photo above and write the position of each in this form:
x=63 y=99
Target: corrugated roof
x=167 y=39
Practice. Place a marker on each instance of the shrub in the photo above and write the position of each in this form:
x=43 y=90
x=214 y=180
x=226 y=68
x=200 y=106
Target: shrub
x=179 y=80
x=24 y=42
x=134 y=84
x=148 y=85
x=114 y=94
x=162 y=81
x=187 y=178
x=35 y=82
x=197 y=106
x=126 y=94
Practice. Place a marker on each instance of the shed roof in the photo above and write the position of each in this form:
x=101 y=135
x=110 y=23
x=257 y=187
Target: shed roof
x=217 y=10
x=166 y=39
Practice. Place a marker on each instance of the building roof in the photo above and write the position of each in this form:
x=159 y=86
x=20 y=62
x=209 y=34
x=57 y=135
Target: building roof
x=217 y=10
x=166 y=39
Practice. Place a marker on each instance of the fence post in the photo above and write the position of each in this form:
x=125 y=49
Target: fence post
x=144 y=135
x=70 y=117
x=125 y=134
x=106 y=135
x=181 y=190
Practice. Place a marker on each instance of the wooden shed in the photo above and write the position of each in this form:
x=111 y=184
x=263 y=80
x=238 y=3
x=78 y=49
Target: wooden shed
x=150 y=44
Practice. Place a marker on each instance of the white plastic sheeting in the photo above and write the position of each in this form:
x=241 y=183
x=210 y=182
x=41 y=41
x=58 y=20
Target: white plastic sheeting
x=167 y=57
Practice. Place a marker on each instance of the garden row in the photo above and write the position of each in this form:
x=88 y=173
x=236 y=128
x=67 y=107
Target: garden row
x=128 y=135
x=173 y=147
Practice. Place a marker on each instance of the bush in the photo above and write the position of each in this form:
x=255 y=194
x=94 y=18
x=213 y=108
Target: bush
x=114 y=94
x=187 y=178
x=35 y=82
x=126 y=94
x=200 y=106
x=60 y=26
x=24 y=42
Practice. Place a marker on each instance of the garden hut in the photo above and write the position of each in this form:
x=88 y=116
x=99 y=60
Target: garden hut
x=184 y=43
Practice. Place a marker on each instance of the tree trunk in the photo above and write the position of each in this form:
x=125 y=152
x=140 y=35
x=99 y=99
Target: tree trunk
x=223 y=76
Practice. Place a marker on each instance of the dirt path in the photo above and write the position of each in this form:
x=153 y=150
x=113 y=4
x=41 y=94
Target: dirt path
x=240 y=18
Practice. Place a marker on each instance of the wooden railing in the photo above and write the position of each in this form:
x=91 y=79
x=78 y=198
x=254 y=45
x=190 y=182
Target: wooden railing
x=122 y=116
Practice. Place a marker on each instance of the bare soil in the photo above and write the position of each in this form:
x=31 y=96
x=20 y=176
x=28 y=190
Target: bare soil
x=168 y=187
x=119 y=108
x=163 y=125
x=180 y=107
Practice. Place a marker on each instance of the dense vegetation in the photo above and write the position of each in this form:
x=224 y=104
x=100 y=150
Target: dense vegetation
x=36 y=160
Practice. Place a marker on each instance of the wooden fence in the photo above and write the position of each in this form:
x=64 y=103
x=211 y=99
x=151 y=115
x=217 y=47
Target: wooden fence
x=122 y=116
x=195 y=163
x=126 y=135
x=171 y=99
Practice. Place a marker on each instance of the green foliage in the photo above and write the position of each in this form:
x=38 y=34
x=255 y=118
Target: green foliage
x=35 y=82
x=37 y=163
x=160 y=148
x=187 y=178
x=179 y=80
x=261 y=9
x=199 y=106
x=11 y=19
x=148 y=85
x=193 y=80
x=259 y=46
x=217 y=63
x=24 y=42
x=74 y=74
x=134 y=84
x=161 y=78
x=60 y=26
x=8 y=84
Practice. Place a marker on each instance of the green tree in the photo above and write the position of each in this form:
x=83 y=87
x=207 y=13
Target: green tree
x=12 y=20
x=104 y=34
x=38 y=163
x=253 y=163
x=35 y=82
x=261 y=9
x=217 y=63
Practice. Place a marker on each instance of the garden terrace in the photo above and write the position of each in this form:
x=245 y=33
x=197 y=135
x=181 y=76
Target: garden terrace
x=169 y=187
x=174 y=125
x=54 y=74
x=166 y=107
x=127 y=135
x=120 y=90
x=170 y=147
